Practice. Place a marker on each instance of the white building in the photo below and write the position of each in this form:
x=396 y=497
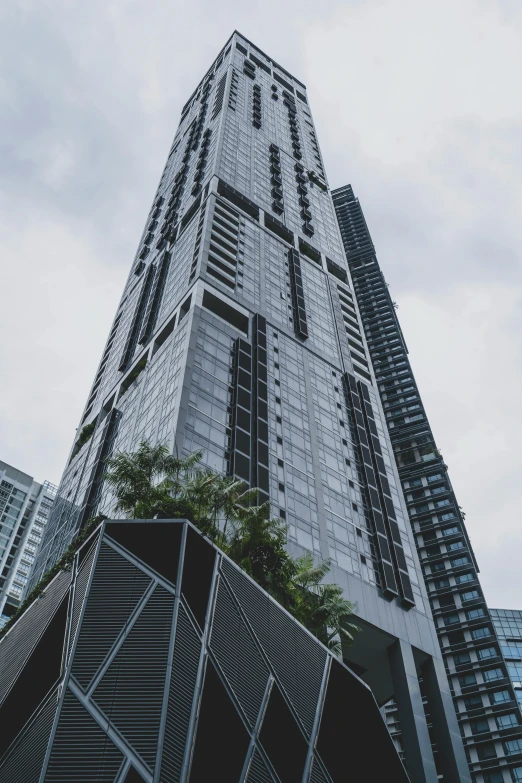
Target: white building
x=24 y=508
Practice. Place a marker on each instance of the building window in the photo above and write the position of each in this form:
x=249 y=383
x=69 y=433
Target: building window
x=515 y=671
x=493 y=674
x=458 y=561
x=462 y=578
x=486 y=751
x=480 y=633
x=499 y=697
x=455 y=545
x=473 y=702
x=474 y=614
x=450 y=619
x=513 y=746
x=467 y=679
x=462 y=658
x=479 y=726
x=494 y=777
x=507 y=721
x=512 y=649
x=470 y=595
x=488 y=652
x=516 y=773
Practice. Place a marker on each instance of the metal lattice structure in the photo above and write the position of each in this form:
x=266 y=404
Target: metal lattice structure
x=157 y=660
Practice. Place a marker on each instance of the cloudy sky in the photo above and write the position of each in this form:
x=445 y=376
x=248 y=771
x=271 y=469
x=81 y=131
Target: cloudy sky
x=417 y=104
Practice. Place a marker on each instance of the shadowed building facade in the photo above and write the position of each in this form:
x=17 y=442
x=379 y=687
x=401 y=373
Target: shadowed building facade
x=484 y=698
x=162 y=661
x=238 y=333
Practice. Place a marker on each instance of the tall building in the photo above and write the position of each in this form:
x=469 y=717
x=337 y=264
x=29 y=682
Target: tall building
x=24 y=509
x=238 y=333
x=508 y=625
x=482 y=693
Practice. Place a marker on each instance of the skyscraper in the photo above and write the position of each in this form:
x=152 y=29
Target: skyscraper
x=483 y=696
x=238 y=333
x=24 y=509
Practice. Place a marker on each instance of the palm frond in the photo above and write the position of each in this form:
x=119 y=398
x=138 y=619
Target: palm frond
x=309 y=574
x=151 y=482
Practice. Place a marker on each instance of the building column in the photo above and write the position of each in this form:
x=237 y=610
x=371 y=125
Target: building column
x=446 y=734
x=414 y=728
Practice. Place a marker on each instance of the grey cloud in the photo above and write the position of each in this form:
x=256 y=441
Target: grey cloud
x=416 y=104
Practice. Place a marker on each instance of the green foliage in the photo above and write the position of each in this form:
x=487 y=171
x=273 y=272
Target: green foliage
x=321 y=605
x=129 y=380
x=63 y=564
x=86 y=434
x=153 y=483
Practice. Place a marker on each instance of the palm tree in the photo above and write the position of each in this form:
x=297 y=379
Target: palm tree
x=257 y=545
x=142 y=481
x=327 y=613
x=151 y=482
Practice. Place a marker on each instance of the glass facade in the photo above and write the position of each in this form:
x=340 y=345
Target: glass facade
x=508 y=625
x=484 y=698
x=239 y=333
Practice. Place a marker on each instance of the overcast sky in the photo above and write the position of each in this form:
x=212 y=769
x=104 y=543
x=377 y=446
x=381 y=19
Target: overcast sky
x=417 y=104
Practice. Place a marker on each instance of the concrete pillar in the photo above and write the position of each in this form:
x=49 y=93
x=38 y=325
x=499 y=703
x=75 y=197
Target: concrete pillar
x=451 y=757
x=414 y=729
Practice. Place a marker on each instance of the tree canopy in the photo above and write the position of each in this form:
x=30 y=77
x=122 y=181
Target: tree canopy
x=151 y=482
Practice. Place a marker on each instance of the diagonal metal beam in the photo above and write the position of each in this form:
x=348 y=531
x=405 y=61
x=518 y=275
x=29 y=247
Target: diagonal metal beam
x=127 y=628
x=111 y=732
x=168 y=674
